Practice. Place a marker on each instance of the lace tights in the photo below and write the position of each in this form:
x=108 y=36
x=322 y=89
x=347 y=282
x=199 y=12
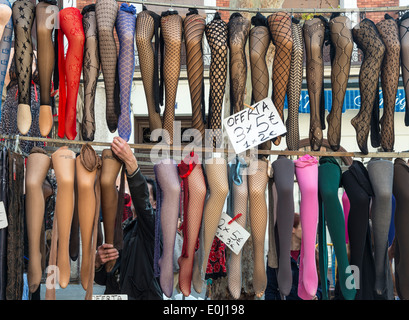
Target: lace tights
x=280 y=28
x=390 y=71
x=194 y=26
x=342 y=45
x=369 y=41
x=314 y=31
x=23 y=18
x=91 y=70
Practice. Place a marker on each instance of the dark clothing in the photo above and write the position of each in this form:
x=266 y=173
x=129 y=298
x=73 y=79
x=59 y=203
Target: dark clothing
x=272 y=291
x=133 y=273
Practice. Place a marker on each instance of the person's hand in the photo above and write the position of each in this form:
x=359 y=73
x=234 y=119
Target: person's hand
x=105 y=252
x=122 y=150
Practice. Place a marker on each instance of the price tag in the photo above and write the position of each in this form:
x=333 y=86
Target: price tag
x=110 y=297
x=3 y=216
x=253 y=126
x=232 y=234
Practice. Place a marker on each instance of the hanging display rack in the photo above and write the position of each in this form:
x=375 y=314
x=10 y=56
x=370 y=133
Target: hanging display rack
x=65 y=142
x=271 y=10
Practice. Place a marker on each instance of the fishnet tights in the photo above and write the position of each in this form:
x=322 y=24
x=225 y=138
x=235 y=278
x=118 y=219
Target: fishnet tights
x=390 y=72
x=239 y=28
x=91 y=70
x=240 y=198
x=106 y=13
x=216 y=35
x=280 y=28
x=195 y=205
x=294 y=87
x=259 y=41
x=171 y=29
x=216 y=173
x=167 y=179
x=314 y=31
x=369 y=41
x=145 y=30
x=342 y=44
x=194 y=26
x=257 y=184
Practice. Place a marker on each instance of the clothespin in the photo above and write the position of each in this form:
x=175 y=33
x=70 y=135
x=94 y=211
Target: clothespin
x=248 y=106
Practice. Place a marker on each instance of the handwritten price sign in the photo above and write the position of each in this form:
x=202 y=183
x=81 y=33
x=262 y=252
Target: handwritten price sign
x=253 y=126
x=233 y=234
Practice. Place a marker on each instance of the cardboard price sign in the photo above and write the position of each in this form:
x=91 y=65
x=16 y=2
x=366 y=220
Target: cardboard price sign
x=231 y=233
x=253 y=126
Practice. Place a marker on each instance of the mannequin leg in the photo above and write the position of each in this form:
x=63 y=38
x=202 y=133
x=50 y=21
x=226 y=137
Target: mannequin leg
x=70 y=69
x=259 y=41
x=63 y=162
x=194 y=26
x=5 y=46
x=403 y=25
x=314 y=30
x=257 y=183
x=91 y=71
x=36 y=171
x=216 y=173
x=400 y=176
x=125 y=27
x=390 y=71
x=23 y=51
x=280 y=28
x=306 y=170
x=239 y=28
x=148 y=61
x=381 y=176
x=240 y=205
x=294 y=86
x=368 y=40
x=216 y=35
x=284 y=181
x=171 y=28
x=329 y=176
x=358 y=228
x=109 y=196
x=197 y=194
x=167 y=179
x=106 y=13
x=342 y=45
x=86 y=214
x=45 y=65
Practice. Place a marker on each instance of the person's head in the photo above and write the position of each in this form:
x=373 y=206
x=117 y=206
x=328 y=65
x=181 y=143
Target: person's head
x=297 y=232
x=152 y=191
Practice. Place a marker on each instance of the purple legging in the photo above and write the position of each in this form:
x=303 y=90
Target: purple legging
x=306 y=171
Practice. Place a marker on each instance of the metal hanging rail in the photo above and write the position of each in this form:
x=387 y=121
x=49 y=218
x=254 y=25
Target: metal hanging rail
x=402 y=154
x=270 y=10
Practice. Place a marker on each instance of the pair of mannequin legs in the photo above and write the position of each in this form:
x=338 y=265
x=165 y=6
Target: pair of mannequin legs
x=67 y=169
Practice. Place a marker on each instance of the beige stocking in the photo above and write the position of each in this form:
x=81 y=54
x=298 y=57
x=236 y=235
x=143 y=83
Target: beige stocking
x=63 y=162
x=37 y=167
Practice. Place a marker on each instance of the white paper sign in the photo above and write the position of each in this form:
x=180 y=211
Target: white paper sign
x=253 y=126
x=110 y=297
x=233 y=234
x=3 y=216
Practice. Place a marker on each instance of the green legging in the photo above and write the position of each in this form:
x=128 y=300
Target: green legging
x=329 y=180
